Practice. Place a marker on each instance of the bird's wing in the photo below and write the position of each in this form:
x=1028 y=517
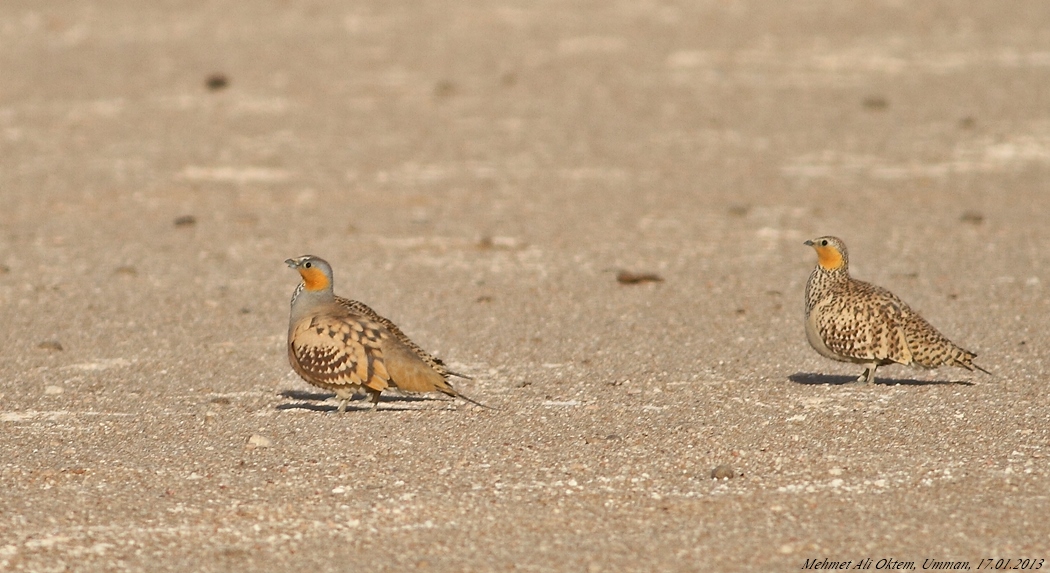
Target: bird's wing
x=363 y=309
x=341 y=350
x=865 y=322
x=931 y=348
x=409 y=372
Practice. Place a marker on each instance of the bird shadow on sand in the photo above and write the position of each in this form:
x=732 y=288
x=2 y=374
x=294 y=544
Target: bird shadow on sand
x=357 y=402
x=814 y=379
x=315 y=396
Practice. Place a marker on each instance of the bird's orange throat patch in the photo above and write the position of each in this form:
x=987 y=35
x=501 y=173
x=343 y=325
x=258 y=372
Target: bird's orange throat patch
x=828 y=257
x=314 y=279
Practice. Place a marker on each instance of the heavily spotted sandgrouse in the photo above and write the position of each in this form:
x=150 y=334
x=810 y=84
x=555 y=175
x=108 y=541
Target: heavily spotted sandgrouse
x=343 y=345
x=853 y=321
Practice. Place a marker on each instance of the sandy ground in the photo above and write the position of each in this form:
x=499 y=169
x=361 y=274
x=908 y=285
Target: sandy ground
x=479 y=172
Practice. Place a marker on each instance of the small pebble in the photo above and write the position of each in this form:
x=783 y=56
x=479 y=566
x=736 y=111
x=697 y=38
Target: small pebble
x=185 y=221
x=444 y=89
x=507 y=243
x=52 y=390
x=875 y=103
x=257 y=441
x=723 y=472
x=50 y=345
x=631 y=278
x=216 y=82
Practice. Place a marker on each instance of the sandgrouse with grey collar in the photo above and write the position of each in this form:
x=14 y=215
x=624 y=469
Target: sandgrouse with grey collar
x=344 y=346
x=854 y=321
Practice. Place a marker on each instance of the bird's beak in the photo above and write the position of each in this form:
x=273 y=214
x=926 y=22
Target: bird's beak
x=291 y=263
x=808 y=243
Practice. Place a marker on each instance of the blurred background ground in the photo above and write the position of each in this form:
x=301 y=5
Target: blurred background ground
x=479 y=172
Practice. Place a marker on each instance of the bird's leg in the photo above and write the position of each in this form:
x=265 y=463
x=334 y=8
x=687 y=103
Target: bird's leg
x=373 y=396
x=344 y=399
x=868 y=377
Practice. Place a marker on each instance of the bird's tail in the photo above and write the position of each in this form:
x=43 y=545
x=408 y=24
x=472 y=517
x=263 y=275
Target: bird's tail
x=449 y=391
x=456 y=374
x=965 y=359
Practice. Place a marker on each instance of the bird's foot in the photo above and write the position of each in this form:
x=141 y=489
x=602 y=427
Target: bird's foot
x=868 y=377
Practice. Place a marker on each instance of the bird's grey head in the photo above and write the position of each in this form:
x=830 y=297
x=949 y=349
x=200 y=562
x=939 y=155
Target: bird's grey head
x=316 y=274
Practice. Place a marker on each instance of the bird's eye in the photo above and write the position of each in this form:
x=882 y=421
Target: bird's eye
x=308 y=265
x=824 y=243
